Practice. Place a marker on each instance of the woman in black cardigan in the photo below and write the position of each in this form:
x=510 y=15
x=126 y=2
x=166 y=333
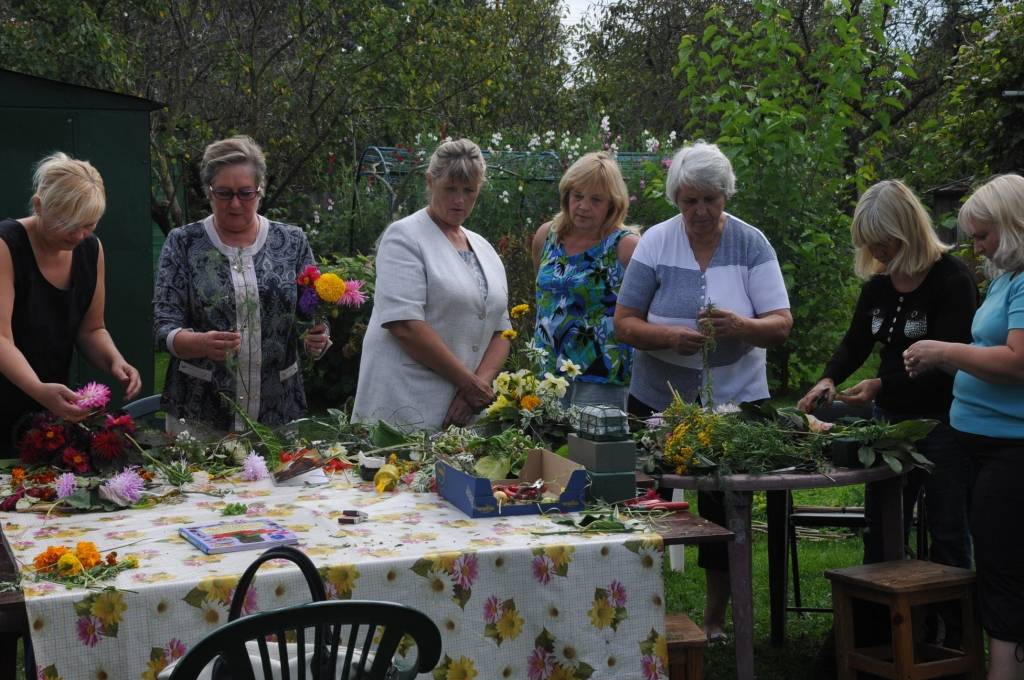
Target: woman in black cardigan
x=914 y=291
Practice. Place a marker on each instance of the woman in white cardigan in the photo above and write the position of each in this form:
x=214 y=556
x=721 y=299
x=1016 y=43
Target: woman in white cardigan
x=434 y=342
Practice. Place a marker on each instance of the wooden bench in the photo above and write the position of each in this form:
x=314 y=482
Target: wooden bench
x=686 y=644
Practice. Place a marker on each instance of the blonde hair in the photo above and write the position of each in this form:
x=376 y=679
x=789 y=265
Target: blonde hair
x=232 y=151
x=999 y=203
x=459 y=160
x=599 y=172
x=889 y=211
x=70 y=191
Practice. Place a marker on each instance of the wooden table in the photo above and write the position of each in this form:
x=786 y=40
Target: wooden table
x=682 y=528
x=739 y=490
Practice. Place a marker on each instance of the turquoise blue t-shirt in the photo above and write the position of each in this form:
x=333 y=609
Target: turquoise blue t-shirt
x=986 y=408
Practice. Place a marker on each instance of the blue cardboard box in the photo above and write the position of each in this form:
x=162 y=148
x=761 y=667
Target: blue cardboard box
x=475 y=496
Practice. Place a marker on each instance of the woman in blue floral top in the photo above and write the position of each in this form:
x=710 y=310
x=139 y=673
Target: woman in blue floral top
x=581 y=256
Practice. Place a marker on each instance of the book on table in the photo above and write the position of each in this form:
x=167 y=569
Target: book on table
x=239 y=534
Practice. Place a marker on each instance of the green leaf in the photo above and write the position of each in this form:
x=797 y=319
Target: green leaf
x=422 y=568
x=866 y=455
x=494 y=468
x=895 y=463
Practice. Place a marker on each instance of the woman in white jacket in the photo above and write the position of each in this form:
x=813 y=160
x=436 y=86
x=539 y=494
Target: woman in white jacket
x=434 y=342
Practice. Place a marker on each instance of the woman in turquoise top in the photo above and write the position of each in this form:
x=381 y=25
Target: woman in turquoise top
x=988 y=415
x=580 y=257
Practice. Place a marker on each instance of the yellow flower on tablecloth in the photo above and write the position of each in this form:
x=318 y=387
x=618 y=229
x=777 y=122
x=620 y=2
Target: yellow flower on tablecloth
x=602 y=613
x=443 y=561
x=342 y=578
x=461 y=669
x=510 y=624
x=49 y=557
x=218 y=588
x=560 y=555
x=68 y=565
x=153 y=668
x=108 y=607
x=68 y=533
x=561 y=672
x=661 y=649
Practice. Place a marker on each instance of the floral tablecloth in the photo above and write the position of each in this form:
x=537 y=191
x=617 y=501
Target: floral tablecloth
x=509 y=603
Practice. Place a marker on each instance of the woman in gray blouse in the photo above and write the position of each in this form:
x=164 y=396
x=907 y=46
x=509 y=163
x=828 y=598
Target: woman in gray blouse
x=225 y=303
x=434 y=341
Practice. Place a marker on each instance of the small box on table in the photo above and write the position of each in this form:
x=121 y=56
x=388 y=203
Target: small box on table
x=475 y=495
x=603 y=456
x=611 y=487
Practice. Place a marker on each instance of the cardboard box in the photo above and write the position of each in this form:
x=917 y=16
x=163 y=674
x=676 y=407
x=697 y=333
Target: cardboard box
x=475 y=496
x=618 y=456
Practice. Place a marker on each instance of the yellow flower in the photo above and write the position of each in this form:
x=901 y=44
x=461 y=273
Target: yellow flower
x=386 y=478
x=108 y=607
x=45 y=560
x=502 y=382
x=510 y=334
x=704 y=437
x=510 y=625
x=569 y=368
x=661 y=649
x=499 y=404
x=444 y=562
x=68 y=565
x=530 y=402
x=601 y=614
x=560 y=555
x=519 y=310
x=330 y=287
x=87 y=554
x=154 y=667
x=219 y=589
x=562 y=673
x=553 y=385
x=343 y=578
x=461 y=669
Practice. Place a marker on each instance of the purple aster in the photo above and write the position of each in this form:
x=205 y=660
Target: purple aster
x=466 y=570
x=308 y=301
x=254 y=468
x=652 y=668
x=492 y=609
x=66 y=485
x=542 y=568
x=124 y=488
x=540 y=664
x=89 y=628
x=617 y=594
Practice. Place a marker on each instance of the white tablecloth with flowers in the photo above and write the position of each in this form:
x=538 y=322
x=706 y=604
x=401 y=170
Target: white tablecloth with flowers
x=509 y=603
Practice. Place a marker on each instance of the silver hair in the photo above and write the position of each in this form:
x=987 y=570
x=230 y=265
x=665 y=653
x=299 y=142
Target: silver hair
x=702 y=166
x=232 y=151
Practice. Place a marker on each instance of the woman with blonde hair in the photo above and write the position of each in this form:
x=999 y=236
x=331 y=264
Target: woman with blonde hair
x=914 y=290
x=988 y=414
x=52 y=296
x=433 y=344
x=581 y=257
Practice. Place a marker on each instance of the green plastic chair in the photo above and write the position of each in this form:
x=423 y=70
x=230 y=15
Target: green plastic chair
x=329 y=657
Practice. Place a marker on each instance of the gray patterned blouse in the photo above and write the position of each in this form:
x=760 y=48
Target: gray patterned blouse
x=203 y=285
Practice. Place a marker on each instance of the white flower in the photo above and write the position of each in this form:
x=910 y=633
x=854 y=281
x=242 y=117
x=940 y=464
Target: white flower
x=606 y=125
x=533 y=143
x=238 y=449
x=336 y=450
x=496 y=140
x=553 y=385
x=569 y=368
x=672 y=138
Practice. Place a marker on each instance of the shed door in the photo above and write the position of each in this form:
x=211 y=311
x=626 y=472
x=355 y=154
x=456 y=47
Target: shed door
x=26 y=136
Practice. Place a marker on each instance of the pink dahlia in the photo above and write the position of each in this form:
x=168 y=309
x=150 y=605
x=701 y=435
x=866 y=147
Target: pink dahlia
x=93 y=395
x=354 y=296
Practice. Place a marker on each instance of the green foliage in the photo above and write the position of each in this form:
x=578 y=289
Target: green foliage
x=805 y=132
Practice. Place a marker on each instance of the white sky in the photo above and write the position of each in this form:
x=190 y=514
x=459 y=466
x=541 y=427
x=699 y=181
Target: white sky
x=576 y=10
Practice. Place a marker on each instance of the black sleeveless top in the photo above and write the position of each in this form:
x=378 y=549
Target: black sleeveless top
x=44 y=320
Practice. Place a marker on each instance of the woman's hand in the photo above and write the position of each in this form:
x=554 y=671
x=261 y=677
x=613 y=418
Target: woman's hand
x=126 y=374
x=924 y=355
x=213 y=345
x=687 y=341
x=460 y=413
x=317 y=340
x=822 y=393
x=727 y=324
x=61 y=401
x=476 y=393
x=863 y=392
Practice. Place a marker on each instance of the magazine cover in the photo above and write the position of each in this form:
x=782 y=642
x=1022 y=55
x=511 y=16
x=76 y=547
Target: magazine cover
x=239 y=534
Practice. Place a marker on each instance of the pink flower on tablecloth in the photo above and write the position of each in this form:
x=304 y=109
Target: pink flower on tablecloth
x=651 y=667
x=542 y=568
x=617 y=594
x=466 y=570
x=492 y=609
x=89 y=630
x=249 y=603
x=175 y=649
x=540 y=664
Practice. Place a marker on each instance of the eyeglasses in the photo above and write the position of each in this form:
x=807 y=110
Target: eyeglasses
x=225 y=194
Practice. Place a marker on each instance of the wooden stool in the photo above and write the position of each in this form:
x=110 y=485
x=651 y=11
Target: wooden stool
x=686 y=643
x=904 y=586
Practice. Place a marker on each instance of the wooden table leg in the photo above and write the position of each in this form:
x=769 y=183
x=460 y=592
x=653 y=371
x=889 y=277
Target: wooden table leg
x=778 y=562
x=890 y=507
x=737 y=515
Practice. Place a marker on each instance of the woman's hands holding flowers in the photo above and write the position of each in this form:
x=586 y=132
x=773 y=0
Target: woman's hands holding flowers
x=317 y=340
x=726 y=324
x=686 y=340
x=61 y=401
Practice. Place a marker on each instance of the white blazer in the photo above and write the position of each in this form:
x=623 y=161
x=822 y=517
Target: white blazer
x=421 y=276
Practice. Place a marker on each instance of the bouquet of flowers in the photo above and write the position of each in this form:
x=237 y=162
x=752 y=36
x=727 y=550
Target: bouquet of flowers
x=323 y=294
x=100 y=443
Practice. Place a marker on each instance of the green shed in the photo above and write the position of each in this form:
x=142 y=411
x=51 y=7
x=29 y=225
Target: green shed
x=39 y=116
